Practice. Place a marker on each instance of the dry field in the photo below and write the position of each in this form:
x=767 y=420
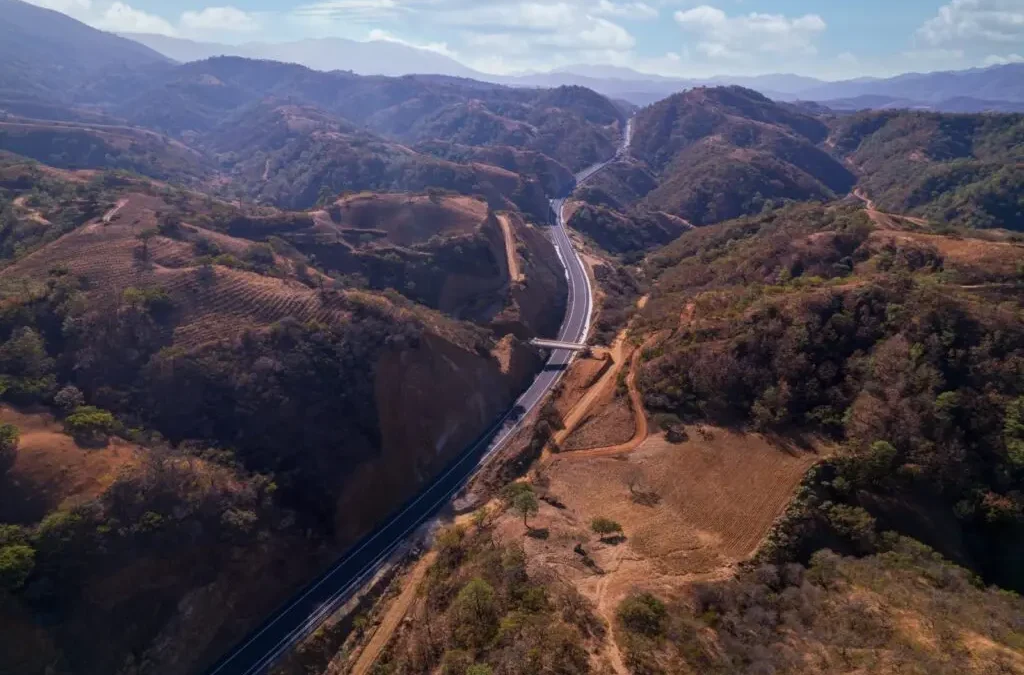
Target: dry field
x=411 y=219
x=52 y=471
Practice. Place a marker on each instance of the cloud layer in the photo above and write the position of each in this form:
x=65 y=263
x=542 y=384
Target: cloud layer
x=670 y=37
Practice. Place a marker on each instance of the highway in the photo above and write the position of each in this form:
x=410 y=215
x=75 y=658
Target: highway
x=301 y=615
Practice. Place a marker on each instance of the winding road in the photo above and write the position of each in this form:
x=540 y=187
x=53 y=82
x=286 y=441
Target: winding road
x=301 y=615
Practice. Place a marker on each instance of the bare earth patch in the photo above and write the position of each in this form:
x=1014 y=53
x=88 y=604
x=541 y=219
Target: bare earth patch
x=51 y=470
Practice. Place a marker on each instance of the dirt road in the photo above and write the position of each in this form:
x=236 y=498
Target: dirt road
x=639 y=414
x=393 y=617
x=510 y=249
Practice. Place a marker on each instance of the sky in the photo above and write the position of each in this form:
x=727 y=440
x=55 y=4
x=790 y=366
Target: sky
x=832 y=39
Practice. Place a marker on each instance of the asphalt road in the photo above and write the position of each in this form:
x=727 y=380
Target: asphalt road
x=301 y=615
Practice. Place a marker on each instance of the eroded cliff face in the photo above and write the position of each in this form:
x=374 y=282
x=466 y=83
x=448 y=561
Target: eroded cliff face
x=537 y=300
x=433 y=402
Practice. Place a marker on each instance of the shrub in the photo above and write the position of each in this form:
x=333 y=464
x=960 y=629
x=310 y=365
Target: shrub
x=605 y=527
x=643 y=614
x=68 y=399
x=90 y=425
x=16 y=564
x=9 y=437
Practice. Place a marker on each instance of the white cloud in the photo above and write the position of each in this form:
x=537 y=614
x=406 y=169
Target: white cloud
x=218 y=19
x=626 y=10
x=967 y=22
x=723 y=37
x=70 y=7
x=1000 y=60
x=122 y=18
x=349 y=10
x=377 y=35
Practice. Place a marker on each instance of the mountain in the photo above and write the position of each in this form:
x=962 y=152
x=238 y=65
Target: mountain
x=961 y=169
x=957 y=104
x=723 y=152
x=373 y=57
x=998 y=83
x=574 y=126
x=44 y=53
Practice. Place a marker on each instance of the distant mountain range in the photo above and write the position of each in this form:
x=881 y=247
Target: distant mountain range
x=374 y=57
x=999 y=88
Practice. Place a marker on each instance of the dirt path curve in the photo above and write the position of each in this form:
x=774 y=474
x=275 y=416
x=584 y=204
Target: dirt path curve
x=109 y=215
x=510 y=249
x=33 y=214
x=879 y=217
x=393 y=616
x=639 y=414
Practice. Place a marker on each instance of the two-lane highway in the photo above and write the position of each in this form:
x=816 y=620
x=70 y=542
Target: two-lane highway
x=306 y=611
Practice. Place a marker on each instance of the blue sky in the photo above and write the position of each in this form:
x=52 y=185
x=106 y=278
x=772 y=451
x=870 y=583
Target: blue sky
x=823 y=38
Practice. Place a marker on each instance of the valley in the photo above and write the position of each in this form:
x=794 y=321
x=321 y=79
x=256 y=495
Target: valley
x=286 y=383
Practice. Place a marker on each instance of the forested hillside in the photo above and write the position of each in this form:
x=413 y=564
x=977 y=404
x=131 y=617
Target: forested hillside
x=904 y=345
x=961 y=169
x=235 y=373
x=725 y=152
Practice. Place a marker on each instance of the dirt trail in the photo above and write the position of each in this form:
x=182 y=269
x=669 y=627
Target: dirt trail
x=33 y=214
x=510 y=249
x=109 y=215
x=639 y=414
x=618 y=354
x=266 y=171
x=393 y=617
x=880 y=217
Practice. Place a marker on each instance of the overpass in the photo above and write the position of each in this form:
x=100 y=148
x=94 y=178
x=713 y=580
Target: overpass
x=556 y=344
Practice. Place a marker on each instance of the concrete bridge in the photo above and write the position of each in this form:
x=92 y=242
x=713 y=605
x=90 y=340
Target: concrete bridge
x=556 y=344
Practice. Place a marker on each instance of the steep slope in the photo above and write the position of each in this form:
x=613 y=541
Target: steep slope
x=294 y=156
x=963 y=169
x=724 y=152
x=46 y=55
x=372 y=57
x=572 y=125
x=287 y=393
x=79 y=145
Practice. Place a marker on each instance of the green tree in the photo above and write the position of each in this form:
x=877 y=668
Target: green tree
x=479 y=669
x=90 y=425
x=68 y=399
x=605 y=527
x=525 y=504
x=1013 y=431
x=644 y=614
x=476 y=614
x=16 y=564
x=9 y=438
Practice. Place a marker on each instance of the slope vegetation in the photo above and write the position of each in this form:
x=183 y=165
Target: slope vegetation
x=278 y=397
x=725 y=152
x=901 y=343
x=961 y=169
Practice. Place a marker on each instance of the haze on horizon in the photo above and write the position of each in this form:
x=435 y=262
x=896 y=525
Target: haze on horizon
x=673 y=38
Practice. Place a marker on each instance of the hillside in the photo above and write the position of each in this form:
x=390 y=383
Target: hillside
x=961 y=169
x=305 y=400
x=295 y=156
x=47 y=55
x=902 y=343
x=725 y=152
x=78 y=145
x=572 y=125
